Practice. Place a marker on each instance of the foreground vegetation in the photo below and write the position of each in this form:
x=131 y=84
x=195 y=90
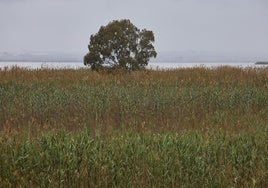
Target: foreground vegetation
x=186 y=159
x=185 y=127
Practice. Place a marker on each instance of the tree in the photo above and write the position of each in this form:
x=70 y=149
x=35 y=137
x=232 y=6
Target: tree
x=122 y=45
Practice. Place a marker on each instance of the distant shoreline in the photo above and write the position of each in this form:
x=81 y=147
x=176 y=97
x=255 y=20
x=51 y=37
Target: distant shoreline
x=157 y=61
x=40 y=61
x=151 y=65
x=261 y=63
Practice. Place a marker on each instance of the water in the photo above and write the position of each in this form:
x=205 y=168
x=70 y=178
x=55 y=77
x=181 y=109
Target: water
x=172 y=65
x=40 y=65
x=152 y=65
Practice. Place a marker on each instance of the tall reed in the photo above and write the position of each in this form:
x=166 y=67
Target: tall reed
x=176 y=99
x=175 y=128
x=187 y=159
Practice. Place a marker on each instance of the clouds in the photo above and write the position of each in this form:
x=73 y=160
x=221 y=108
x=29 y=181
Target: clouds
x=65 y=25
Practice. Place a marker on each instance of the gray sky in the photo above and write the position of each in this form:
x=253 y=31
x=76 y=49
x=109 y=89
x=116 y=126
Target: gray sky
x=51 y=26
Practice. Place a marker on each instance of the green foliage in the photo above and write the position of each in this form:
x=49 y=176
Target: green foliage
x=122 y=45
x=188 y=159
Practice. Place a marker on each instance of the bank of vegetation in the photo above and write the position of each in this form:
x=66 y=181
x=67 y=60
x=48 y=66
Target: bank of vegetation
x=184 y=127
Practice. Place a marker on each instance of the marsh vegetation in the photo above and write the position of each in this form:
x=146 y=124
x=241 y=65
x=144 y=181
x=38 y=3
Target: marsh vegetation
x=176 y=128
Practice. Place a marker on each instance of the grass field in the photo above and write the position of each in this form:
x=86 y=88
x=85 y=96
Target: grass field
x=194 y=127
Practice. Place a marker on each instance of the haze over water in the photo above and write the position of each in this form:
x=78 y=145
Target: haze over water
x=151 y=65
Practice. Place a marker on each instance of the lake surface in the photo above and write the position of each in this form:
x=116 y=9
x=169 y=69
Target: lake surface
x=152 y=65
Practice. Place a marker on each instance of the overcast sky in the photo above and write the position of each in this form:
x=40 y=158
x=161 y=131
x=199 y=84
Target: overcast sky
x=52 y=26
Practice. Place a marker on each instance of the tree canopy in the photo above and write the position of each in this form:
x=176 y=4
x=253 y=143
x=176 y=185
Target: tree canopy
x=122 y=45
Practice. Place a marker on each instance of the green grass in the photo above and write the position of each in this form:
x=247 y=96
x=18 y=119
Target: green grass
x=187 y=159
x=179 y=128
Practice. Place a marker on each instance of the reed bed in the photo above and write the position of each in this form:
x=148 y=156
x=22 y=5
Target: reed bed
x=185 y=127
x=186 y=159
